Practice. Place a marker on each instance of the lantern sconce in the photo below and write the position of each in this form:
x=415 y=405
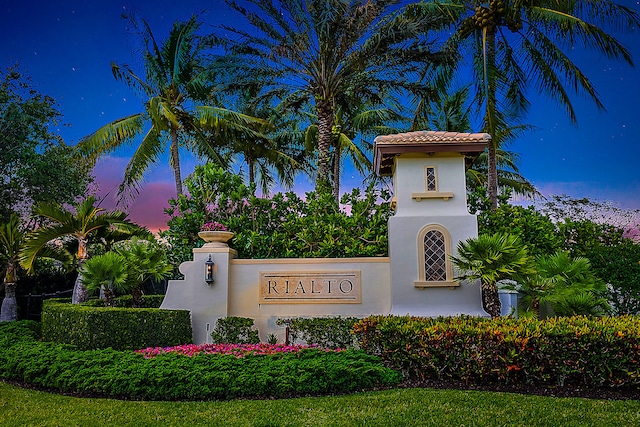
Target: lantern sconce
x=208 y=271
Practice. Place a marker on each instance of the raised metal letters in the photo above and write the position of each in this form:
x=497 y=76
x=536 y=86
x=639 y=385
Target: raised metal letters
x=310 y=287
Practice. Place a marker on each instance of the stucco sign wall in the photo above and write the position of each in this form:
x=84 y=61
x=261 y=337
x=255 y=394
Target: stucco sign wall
x=310 y=287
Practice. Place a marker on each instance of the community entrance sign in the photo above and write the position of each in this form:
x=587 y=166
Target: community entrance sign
x=431 y=217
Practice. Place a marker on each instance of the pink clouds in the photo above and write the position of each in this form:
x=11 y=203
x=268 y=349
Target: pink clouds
x=147 y=208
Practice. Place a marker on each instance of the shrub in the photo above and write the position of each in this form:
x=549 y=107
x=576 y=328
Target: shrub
x=174 y=376
x=235 y=330
x=119 y=328
x=327 y=332
x=576 y=351
x=281 y=226
x=126 y=301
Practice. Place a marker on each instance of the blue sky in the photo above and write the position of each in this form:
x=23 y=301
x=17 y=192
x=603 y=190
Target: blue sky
x=67 y=46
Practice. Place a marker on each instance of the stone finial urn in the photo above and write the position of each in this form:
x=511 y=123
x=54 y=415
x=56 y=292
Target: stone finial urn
x=216 y=239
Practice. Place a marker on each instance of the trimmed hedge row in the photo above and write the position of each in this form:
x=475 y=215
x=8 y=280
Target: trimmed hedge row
x=169 y=376
x=148 y=301
x=566 y=351
x=327 y=332
x=90 y=328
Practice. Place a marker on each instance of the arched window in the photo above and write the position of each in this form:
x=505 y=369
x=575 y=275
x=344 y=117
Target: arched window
x=434 y=266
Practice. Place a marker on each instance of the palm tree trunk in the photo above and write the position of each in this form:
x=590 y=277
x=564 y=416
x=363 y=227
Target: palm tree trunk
x=175 y=160
x=535 y=307
x=252 y=169
x=80 y=292
x=9 y=309
x=325 y=124
x=336 y=173
x=137 y=296
x=491 y=301
x=490 y=122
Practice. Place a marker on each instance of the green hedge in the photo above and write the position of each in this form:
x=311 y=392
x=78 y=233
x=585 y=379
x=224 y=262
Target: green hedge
x=326 y=332
x=125 y=374
x=90 y=328
x=148 y=301
x=568 y=351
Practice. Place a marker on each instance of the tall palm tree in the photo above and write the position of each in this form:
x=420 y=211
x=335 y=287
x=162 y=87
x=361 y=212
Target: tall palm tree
x=11 y=240
x=324 y=50
x=490 y=259
x=80 y=226
x=354 y=122
x=278 y=151
x=517 y=44
x=450 y=110
x=174 y=80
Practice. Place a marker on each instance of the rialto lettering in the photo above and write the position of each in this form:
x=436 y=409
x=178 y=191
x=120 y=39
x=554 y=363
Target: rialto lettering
x=287 y=287
x=312 y=287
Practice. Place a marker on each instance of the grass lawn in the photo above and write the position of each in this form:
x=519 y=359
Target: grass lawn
x=400 y=407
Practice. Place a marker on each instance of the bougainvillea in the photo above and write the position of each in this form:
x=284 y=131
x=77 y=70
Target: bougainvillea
x=238 y=350
x=213 y=226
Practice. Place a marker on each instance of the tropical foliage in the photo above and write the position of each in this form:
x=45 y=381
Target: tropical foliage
x=35 y=164
x=491 y=258
x=561 y=286
x=79 y=226
x=126 y=269
x=328 y=53
x=513 y=45
x=12 y=237
x=175 y=79
x=281 y=226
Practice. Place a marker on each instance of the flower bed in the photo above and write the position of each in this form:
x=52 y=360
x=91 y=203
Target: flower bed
x=238 y=350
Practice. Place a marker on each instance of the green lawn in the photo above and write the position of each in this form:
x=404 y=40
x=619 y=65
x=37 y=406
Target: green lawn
x=400 y=407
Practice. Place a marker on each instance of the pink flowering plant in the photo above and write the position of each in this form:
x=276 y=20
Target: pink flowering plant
x=213 y=226
x=237 y=350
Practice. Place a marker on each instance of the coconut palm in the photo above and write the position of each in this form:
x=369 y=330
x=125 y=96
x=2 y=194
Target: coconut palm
x=278 y=152
x=490 y=259
x=353 y=123
x=450 y=110
x=517 y=44
x=11 y=240
x=78 y=226
x=323 y=52
x=175 y=79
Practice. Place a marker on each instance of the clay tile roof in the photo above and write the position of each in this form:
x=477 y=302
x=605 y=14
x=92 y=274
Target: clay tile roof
x=428 y=136
x=386 y=147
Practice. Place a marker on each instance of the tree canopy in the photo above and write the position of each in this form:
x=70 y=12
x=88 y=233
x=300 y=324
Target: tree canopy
x=35 y=163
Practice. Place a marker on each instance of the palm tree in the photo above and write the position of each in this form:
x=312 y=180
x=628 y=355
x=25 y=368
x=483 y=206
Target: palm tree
x=450 y=110
x=490 y=259
x=11 y=240
x=353 y=123
x=106 y=273
x=563 y=286
x=279 y=150
x=126 y=269
x=79 y=226
x=323 y=52
x=175 y=79
x=517 y=44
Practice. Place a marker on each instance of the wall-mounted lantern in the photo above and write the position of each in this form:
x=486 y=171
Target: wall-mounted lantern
x=208 y=271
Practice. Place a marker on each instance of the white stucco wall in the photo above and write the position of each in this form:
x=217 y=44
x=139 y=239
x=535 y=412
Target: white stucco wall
x=236 y=291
